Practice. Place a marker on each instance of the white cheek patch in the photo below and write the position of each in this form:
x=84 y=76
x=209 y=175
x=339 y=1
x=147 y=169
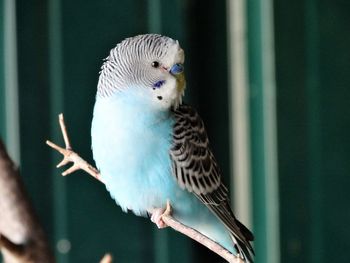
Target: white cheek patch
x=165 y=96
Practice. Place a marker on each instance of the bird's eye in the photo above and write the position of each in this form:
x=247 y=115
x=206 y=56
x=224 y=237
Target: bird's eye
x=155 y=64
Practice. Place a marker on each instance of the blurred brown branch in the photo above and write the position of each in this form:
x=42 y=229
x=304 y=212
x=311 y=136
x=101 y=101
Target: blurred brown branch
x=22 y=238
x=80 y=164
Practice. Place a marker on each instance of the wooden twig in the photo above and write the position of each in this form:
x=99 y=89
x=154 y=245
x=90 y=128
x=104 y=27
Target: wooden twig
x=78 y=163
x=195 y=235
x=107 y=259
x=22 y=239
x=70 y=156
x=16 y=250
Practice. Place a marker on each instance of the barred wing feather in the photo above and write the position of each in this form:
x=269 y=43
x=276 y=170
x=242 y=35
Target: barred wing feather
x=196 y=170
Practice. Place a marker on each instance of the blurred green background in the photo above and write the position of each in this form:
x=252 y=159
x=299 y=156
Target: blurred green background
x=270 y=79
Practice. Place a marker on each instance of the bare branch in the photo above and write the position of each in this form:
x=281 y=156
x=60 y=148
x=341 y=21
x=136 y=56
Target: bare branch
x=79 y=163
x=71 y=156
x=195 y=235
x=107 y=259
x=22 y=239
x=64 y=131
x=17 y=250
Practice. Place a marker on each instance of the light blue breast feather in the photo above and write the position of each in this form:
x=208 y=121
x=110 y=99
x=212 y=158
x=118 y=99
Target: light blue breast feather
x=131 y=143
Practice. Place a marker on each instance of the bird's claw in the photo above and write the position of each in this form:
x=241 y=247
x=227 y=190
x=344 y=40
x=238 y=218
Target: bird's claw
x=158 y=213
x=156 y=217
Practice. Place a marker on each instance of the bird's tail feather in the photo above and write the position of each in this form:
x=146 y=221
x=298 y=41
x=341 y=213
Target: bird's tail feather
x=245 y=251
x=245 y=231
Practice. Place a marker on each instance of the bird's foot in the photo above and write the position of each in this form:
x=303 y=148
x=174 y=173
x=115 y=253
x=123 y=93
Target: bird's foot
x=156 y=217
x=158 y=213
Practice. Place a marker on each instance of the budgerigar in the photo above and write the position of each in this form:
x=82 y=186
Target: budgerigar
x=150 y=148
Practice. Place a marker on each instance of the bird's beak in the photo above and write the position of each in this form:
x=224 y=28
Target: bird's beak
x=177 y=70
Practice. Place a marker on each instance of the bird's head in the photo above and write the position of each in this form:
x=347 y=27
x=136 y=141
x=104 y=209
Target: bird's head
x=152 y=64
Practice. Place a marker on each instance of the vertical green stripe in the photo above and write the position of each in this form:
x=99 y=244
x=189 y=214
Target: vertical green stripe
x=2 y=81
x=314 y=136
x=270 y=132
x=11 y=81
x=263 y=130
x=161 y=246
x=154 y=16
x=56 y=102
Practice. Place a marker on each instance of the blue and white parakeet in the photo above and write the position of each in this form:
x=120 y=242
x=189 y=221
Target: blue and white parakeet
x=150 y=148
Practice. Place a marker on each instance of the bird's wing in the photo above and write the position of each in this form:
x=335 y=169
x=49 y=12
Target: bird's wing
x=196 y=170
